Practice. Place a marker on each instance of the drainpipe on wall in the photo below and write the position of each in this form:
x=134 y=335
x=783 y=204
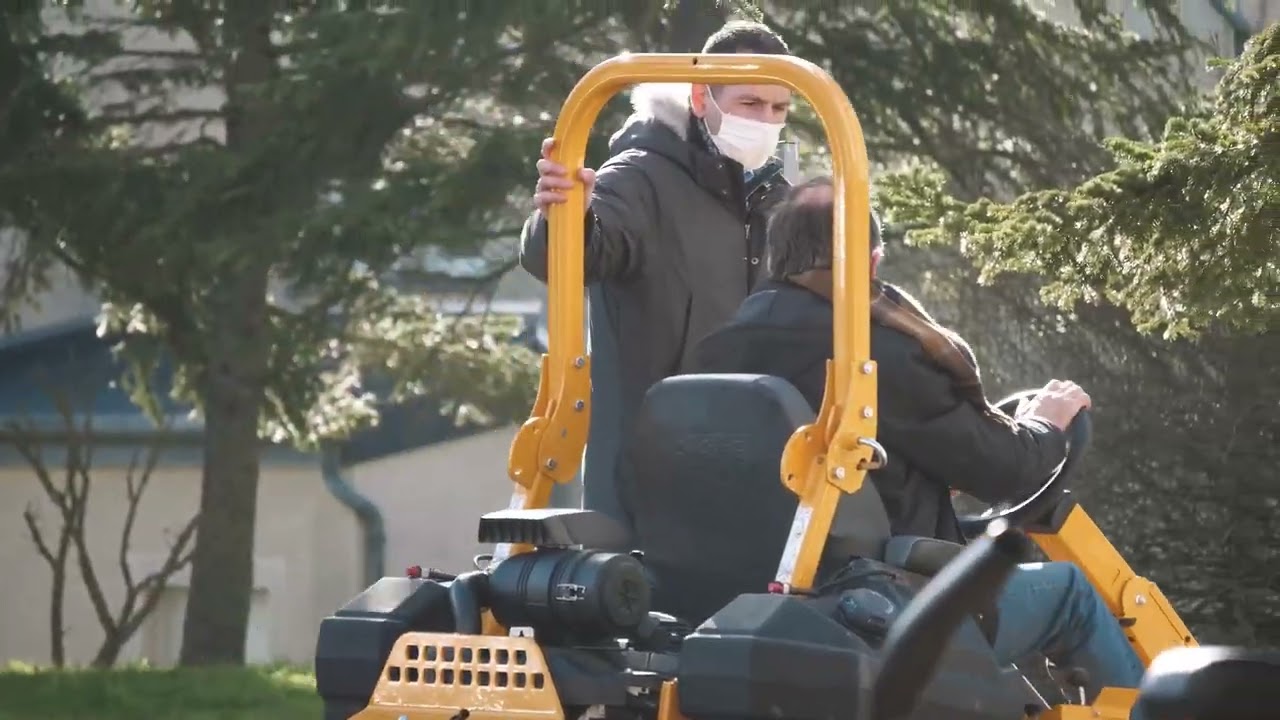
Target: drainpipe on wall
x=367 y=513
x=1240 y=27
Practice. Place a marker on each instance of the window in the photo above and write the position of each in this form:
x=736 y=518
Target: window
x=159 y=640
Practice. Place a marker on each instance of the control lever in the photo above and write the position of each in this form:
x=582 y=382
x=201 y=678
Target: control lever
x=1078 y=678
x=917 y=639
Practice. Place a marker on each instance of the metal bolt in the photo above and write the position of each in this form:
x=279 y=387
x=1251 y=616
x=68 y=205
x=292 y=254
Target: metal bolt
x=867 y=368
x=1140 y=600
x=579 y=362
x=579 y=405
x=839 y=473
x=551 y=464
x=868 y=412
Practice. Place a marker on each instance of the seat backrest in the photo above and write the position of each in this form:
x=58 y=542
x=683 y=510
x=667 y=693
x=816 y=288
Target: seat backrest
x=700 y=480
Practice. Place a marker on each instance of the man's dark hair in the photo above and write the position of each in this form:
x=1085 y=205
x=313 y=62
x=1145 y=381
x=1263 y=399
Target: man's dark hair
x=800 y=230
x=742 y=36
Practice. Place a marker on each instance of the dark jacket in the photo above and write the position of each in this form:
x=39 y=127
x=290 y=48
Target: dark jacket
x=674 y=243
x=936 y=440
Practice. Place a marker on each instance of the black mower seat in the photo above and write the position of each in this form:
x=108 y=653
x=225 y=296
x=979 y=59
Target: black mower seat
x=700 y=480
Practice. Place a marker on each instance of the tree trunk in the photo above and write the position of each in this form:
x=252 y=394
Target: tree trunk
x=109 y=652
x=57 y=600
x=234 y=381
x=222 y=564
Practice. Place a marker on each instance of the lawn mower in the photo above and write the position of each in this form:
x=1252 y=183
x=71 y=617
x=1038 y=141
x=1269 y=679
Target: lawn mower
x=743 y=598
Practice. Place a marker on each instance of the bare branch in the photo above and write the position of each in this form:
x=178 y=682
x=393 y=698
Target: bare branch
x=151 y=586
x=88 y=573
x=37 y=537
x=78 y=480
x=56 y=559
x=135 y=485
x=130 y=517
x=157 y=115
x=185 y=55
x=168 y=149
x=34 y=456
x=72 y=498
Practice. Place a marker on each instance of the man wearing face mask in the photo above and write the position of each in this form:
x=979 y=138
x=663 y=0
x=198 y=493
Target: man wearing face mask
x=674 y=235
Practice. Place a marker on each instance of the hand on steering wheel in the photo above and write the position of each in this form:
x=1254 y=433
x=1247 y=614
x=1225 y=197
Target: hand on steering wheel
x=1042 y=501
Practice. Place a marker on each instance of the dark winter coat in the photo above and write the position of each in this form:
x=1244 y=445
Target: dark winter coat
x=674 y=244
x=937 y=440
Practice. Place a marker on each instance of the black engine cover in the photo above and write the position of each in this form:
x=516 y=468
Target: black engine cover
x=782 y=657
x=354 y=642
x=774 y=656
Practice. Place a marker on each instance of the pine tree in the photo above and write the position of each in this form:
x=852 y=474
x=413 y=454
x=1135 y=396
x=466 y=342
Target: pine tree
x=249 y=239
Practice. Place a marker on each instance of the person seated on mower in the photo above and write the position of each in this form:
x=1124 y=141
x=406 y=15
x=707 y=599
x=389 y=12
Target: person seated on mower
x=936 y=424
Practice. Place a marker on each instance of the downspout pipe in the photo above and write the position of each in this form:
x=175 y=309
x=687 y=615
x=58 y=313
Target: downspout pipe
x=1240 y=27
x=367 y=513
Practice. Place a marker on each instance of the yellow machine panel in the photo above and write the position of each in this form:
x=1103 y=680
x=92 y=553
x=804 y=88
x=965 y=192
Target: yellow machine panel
x=438 y=676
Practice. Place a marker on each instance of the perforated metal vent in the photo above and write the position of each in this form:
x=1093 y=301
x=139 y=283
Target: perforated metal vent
x=482 y=674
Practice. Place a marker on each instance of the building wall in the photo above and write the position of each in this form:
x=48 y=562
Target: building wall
x=307 y=562
x=1199 y=16
x=64 y=300
x=1258 y=13
x=432 y=498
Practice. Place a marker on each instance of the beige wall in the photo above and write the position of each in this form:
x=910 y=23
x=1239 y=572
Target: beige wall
x=307 y=563
x=308 y=555
x=432 y=498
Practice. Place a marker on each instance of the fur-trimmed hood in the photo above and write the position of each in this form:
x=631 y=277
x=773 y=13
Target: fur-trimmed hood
x=661 y=121
x=659 y=110
x=669 y=103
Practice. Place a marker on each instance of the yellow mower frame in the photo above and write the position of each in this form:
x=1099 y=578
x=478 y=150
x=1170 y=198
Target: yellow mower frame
x=428 y=676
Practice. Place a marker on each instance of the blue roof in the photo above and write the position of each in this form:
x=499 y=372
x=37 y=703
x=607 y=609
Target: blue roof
x=72 y=357
x=406 y=426
x=424 y=421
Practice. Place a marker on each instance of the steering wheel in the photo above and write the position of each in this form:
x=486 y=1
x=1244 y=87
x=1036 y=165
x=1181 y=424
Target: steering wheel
x=1043 y=500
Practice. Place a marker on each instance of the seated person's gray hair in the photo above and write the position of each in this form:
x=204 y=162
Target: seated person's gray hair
x=800 y=230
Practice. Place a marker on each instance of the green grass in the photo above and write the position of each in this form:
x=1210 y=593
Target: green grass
x=147 y=694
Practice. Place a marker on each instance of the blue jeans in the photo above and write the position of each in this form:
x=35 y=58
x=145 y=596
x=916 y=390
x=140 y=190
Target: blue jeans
x=1052 y=609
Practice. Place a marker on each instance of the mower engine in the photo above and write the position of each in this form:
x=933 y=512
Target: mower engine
x=564 y=594
x=587 y=611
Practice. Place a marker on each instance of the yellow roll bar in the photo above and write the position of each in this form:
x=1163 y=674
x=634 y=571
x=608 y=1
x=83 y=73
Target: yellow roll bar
x=821 y=460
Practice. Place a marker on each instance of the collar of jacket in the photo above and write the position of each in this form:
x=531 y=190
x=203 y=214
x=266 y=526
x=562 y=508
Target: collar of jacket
x=762 y=178
x=664 y=123
x=895 y=309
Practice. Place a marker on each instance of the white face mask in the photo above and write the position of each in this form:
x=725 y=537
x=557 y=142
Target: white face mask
x=749 y=142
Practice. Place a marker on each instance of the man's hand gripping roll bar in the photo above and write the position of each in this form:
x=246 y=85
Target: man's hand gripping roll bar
x=917 y=640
